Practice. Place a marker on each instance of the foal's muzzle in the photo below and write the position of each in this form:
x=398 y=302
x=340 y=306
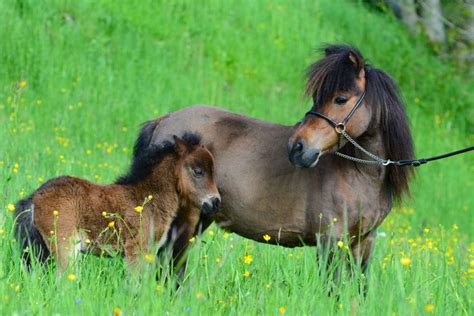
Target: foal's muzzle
x=301 y=156
x=211 y=206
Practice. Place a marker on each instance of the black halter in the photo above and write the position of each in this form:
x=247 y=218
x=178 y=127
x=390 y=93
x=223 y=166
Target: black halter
x=339 y=127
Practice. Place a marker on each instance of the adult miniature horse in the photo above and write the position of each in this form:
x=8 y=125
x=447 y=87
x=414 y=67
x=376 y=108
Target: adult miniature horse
x=263 y=192
x=67 y=215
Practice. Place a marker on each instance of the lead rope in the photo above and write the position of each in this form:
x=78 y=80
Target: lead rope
x=376 y=159
x=385 y=162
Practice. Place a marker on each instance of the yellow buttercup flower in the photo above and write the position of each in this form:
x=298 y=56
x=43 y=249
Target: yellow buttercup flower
x=150 y=258
x=71 y=277
x=22 y=83
x=56 y=213
x=104 y=214
x=405 y=261
x=138 y=209
x=10 y=207
x=266 y=237
x=248 y=259
x=246 y=274
x=192 y=239
x=111 y=224
x=340 y=244
x=117 y=311
x=282 y=310
x=429 y=308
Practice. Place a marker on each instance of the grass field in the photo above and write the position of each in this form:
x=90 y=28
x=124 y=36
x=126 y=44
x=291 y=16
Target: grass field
x=78 y=77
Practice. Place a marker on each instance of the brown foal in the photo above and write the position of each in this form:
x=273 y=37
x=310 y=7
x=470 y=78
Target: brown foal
x=68 y=215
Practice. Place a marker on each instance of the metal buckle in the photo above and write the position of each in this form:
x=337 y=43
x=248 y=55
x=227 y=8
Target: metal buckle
x=340 y=127
x=386 y=163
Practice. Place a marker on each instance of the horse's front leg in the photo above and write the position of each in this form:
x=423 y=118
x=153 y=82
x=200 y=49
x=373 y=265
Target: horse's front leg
x=362 y=250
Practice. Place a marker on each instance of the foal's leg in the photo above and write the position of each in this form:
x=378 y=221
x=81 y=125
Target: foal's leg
x=63 y=238
x=135 y=246
x=182 y=230
x=67 y=247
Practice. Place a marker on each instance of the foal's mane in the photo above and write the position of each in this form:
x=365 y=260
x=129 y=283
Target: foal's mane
x=338 y=71
x=146 y=156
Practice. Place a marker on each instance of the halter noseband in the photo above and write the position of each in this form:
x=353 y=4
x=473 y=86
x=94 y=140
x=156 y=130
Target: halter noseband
x=341 y=126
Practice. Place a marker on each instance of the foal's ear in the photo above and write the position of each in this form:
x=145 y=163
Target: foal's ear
x=181 y=145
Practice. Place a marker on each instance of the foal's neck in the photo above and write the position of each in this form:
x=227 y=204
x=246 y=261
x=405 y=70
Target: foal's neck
x=162 y=184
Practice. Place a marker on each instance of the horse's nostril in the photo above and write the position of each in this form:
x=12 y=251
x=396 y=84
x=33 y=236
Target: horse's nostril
x=216 y=202
x=298 y=147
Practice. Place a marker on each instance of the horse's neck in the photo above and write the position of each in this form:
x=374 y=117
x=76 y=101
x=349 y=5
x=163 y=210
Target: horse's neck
x=372 y=143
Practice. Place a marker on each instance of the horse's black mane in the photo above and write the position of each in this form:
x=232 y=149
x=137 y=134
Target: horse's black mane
x=338 y=71
x=146 y=155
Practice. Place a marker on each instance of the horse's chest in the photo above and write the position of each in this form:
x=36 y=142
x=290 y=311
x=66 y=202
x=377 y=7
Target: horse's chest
x=356 y=207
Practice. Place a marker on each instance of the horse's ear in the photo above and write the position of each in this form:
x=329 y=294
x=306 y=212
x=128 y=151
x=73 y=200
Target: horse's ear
x=181 y=146
x=358 y=62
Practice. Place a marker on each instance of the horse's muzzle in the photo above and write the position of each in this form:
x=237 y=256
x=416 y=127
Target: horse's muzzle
x=301 y=156
x=211 y=206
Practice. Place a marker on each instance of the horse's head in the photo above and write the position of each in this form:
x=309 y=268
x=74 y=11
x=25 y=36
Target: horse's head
x=196 y=174
x=337 y=84
x=363 y=101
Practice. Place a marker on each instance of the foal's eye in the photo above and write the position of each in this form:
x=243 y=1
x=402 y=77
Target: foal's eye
x=340 y=100
x=198 y=172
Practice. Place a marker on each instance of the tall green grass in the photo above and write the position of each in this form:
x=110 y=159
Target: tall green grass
x=94 y=70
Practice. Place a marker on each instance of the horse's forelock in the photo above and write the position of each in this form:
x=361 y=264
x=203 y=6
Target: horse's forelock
x=337 y=71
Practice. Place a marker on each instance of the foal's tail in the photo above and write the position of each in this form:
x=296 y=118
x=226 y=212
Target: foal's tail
x=30 y=239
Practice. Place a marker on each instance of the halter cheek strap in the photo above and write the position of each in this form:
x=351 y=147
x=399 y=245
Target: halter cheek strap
x=341 y=126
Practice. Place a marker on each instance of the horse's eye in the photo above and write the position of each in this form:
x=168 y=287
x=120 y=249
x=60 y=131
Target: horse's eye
x=198 y=172
x=340 y=100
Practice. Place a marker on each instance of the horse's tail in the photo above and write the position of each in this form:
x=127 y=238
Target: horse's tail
x=30 y=239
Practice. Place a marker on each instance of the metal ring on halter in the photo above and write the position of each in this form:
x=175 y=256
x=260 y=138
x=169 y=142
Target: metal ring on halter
x=340 y=127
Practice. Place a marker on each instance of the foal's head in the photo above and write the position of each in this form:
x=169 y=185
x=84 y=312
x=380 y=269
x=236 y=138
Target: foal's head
x=195 y=172
x=336 y=84
x=185 y=163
